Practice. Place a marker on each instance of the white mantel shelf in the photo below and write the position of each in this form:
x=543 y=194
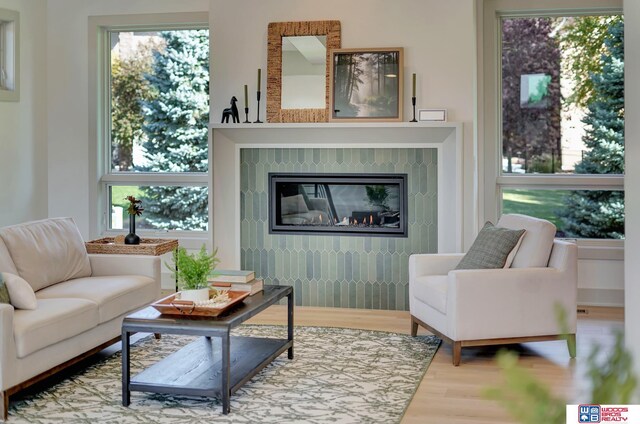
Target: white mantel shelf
x=341 y=125
x=229 y=139
x=337 y=134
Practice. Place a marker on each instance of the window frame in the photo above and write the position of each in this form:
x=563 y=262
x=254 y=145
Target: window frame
x=10 y=53
x=495 y=180
x=100 y=28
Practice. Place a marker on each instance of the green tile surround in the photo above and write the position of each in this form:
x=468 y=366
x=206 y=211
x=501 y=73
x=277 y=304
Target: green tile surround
x=338 y=271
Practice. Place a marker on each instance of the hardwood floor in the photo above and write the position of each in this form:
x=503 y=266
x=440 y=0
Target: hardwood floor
x=453 y=395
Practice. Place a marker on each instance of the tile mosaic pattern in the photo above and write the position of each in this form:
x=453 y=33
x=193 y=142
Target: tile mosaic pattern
x=338 y=271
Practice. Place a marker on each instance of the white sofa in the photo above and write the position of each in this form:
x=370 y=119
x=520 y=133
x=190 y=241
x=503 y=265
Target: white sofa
x=81 y=300
x=477 y=307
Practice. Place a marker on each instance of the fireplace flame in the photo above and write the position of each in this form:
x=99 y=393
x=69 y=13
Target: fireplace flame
x=370 y=219
x=320 y=219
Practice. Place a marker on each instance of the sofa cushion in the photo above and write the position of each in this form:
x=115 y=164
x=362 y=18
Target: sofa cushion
x=114 y=295
x=47 y=252
x=491 y=248
x=432 y=290
x=536 y=245
x=52 y=321
x=6 y=263
x=20 y=292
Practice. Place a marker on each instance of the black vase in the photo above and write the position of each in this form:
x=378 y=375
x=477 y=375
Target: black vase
x=132 y=238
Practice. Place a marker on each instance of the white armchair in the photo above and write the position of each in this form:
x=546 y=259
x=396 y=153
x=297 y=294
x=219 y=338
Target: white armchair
x=498 y=306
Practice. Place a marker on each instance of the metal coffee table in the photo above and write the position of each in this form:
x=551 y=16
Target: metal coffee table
x=215 y=365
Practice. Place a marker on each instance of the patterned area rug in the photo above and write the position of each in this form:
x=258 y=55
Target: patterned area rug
x=337 y=376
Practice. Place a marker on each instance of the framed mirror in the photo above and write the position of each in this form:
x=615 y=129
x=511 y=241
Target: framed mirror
x=298 y=59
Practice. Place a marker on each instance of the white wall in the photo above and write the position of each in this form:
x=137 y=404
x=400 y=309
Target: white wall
x=632 y=177
x=438 y=39
x=441 y=53
x=23 y=149
x=67 y=100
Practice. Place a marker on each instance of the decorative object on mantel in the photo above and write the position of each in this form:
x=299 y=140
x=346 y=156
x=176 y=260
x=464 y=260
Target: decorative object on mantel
x=366 y=85
x=135 y=209
x=191 y=271
x=258 y=121
x=438 y=115
x=246 y=104
x=231 y=112
x=309 y=41
x=413 y=98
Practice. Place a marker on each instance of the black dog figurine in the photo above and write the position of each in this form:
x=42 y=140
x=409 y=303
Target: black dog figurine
x=231 y=111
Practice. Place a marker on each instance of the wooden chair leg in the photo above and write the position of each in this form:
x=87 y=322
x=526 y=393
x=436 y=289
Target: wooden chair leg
x=571 y=345
x=414 y=327
x=4 y=405
x=158 y=336
x=457 y=352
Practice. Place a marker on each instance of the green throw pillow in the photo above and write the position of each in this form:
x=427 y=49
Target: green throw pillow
x=4 y=293
x=491 y=248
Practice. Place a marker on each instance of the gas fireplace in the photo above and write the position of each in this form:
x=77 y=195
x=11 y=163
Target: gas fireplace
x=338 y=204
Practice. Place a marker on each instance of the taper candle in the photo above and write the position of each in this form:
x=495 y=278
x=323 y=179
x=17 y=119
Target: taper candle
x=259 y=75
x=246 y=96
x=414 y=85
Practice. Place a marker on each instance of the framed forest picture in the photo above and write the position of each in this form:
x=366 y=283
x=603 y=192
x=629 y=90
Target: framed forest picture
x=366 y=84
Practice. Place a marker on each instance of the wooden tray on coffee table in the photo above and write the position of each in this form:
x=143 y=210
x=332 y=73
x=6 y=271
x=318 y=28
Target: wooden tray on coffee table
x=172 y=306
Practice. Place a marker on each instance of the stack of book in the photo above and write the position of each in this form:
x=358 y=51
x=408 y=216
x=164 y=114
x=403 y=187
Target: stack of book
x=236 y=280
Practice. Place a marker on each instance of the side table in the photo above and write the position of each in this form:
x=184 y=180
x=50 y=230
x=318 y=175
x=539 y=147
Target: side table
x=148 y=246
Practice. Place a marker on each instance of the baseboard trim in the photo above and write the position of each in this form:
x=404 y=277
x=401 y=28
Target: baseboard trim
x=601 y=297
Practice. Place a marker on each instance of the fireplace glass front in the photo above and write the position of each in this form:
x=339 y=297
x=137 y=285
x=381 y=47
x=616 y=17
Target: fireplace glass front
x=338 y=204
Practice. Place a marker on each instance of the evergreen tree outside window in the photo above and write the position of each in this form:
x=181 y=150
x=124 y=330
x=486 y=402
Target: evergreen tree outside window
x=159 y=91
x=562 y=119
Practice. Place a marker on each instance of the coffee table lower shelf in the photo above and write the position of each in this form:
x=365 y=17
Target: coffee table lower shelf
x=196 y=369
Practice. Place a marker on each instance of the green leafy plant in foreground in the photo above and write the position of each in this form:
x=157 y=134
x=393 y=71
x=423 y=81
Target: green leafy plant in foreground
x=192 y=270
x=530 y=401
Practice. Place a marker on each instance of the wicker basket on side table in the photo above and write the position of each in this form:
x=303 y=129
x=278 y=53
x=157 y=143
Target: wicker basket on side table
x=147 y=246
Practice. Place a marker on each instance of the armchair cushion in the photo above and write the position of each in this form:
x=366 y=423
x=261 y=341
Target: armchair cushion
x=432 y=290
x=491 y=248
x=47 y=252
x=537 y=242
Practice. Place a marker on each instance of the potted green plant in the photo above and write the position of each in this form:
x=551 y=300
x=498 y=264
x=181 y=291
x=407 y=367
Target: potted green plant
x=192 y=270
